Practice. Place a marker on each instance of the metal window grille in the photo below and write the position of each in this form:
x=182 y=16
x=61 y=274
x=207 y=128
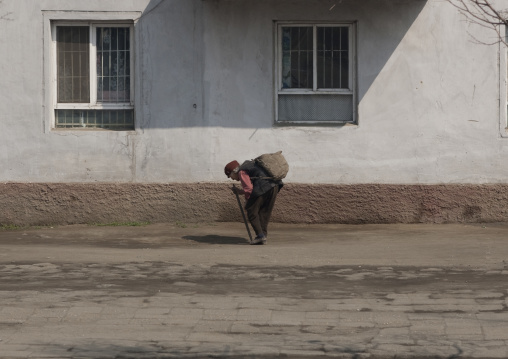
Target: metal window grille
x=297 y=57
x=113 y=64
x=333 y=57
x=316 y=108
x=73 y=76
x=95 y=119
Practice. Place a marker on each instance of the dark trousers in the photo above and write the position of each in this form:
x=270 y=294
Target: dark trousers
x=259 y=210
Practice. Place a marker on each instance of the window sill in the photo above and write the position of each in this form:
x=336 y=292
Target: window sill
x=91 y=129
x=316 y=124
x=317 y=92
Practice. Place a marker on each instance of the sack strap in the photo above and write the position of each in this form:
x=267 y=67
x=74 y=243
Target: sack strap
x=268 y=178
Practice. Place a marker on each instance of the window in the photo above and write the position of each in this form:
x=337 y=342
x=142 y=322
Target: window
x=315 y=74
x=504 y=122
x=93 y=74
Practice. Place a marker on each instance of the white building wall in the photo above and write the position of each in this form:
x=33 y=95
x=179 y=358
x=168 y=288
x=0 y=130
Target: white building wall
x=430 y=100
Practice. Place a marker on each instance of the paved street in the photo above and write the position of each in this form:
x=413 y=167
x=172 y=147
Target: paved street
x=199 y=291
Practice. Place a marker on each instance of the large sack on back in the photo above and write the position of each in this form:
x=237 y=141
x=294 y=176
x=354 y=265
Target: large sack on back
x=274 y=164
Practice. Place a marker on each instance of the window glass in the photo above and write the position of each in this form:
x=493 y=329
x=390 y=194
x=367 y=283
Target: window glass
x=107 y=119
x=297 y=57
x=319 y=108
x=332 y=57
x=113 y=64
x=73 y=77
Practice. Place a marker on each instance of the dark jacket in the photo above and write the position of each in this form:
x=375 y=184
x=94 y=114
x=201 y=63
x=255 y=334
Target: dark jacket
x=260 y=184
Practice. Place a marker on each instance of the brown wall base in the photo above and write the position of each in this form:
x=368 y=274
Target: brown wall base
x=52 y=204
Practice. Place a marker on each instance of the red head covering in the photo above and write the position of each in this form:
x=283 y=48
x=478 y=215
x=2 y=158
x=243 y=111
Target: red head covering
x=230 y=167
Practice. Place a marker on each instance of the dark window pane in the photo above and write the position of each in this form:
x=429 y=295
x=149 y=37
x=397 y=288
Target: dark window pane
x=100 y=89
x=306 y=38
x=67 y=64
x=114 y=64
x=76 y=64
x=127 y=89
x=294 y=69
x=84 y=70
x=295 y=38
x=106 y=117
x=319 y=107
x=328 y=39
x=121 y=39
x=105 y=63
x=129 y=117
x=75 y=38
x=121 y=120
x=121 y=63
x=344 y=70
x=127 y=63
x=113 y=85
x=73 y=64
x=105 y=38
x=91 y=119
x=121 y=89
x=99 y=64
x=336 y=75
x=99 y=118
x=62 y=91
x=344 y=39
x=105 y=89
x=305 y=70
x=114 y=39
x=85 y=86
x=320 y=35
x=333 y=63
x=63 y=35
x=296 y=57
x=127 y=39
x=99 y=39
x=286 y=39
x=83 y=39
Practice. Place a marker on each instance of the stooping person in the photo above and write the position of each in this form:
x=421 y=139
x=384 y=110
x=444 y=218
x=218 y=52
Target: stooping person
x=260 y=192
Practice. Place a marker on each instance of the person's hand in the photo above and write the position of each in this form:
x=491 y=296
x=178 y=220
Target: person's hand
x=237 y=190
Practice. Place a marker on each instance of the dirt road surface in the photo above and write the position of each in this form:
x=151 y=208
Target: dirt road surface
x=201 y=291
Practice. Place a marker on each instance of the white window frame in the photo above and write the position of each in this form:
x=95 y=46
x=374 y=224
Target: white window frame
x=92 y=19
x=503 y=84
x=350 y=91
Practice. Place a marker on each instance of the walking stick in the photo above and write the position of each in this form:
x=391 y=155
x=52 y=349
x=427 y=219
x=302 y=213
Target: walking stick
x=243 y=213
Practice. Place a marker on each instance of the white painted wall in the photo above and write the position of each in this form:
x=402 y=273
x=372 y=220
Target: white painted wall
x=431 y=100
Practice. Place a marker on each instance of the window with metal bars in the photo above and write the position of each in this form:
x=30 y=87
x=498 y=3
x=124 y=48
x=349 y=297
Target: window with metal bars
x=315 y=73
x=93 y=76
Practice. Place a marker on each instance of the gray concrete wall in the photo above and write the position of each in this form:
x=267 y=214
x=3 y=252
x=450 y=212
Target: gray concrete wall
x=431 y=101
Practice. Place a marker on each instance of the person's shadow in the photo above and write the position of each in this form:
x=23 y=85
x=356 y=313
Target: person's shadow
x=215 y=239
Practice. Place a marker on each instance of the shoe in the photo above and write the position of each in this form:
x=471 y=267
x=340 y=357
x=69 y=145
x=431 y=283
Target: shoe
x=261 y=239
